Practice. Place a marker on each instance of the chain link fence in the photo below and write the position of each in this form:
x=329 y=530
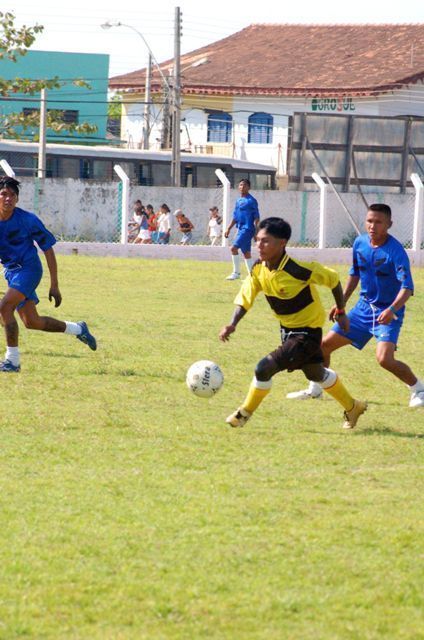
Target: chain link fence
x=345 y=215
x=305 y=225
x=403 y=219
x=85 y=211
x=340 y=232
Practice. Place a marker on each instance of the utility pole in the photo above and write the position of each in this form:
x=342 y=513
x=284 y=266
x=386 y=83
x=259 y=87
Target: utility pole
x=176 y=104
x=41 y=171
x=147 y=100
x=166 y=128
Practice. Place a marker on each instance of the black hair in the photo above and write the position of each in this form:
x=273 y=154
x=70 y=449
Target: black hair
x=276 y=227
x=379 y=207
x=246 y=180
x=165 y=206
x=7 y=182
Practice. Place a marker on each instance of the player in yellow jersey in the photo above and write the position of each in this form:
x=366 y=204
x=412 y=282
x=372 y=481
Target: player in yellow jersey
x=290 y=289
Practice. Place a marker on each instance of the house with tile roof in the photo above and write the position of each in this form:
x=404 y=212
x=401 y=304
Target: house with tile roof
x=240 y=95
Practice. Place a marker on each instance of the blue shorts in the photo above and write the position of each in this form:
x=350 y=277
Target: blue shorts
x=243 y=240
x=25 y=279
x=163 y=238
x=364 y=325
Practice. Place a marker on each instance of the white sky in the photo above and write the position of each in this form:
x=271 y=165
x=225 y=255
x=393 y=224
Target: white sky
x=74 y=25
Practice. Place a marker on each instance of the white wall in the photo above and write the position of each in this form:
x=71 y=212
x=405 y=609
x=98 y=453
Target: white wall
x=75 y=209
x=404 y=102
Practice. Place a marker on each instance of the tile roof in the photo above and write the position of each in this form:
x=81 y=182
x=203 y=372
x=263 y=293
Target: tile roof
x=304 y=60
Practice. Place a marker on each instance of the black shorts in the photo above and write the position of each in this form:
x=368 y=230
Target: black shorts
x=300 y=347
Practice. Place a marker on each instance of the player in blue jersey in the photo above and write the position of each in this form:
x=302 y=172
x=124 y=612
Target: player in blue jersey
x=19 y=230
x=246 y=219
x=381 y=267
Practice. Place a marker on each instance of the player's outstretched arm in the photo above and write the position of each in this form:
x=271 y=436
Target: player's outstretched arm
x=228 y=329
x=257 y=221
x=337 y=312
x=54 y=291
x=230 y=226
x=387 y=315
x=351 y=284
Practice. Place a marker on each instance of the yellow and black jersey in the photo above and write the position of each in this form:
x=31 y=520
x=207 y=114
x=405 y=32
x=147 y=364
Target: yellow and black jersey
x=290 y=290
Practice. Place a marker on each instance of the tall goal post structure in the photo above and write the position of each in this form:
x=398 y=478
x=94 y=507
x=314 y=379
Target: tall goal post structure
x=418 y=212
x=124 y=202
x=226 y=186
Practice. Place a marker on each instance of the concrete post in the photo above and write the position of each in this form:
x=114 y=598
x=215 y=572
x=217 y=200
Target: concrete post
x=418 y=212
x=41 y=170
x=7 y=168
x=125 y=201
x=322 y=241
x=226 y=185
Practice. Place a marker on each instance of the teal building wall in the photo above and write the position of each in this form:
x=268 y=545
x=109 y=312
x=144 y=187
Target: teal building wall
x=91 y=104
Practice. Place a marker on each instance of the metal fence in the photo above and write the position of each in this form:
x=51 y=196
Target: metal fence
x=305 y=224
x=341 y=216
x=78 y=211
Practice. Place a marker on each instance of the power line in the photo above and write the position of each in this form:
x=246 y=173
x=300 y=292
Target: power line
x=217 y=102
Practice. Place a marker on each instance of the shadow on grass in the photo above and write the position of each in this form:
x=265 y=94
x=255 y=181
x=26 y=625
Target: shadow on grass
x=101 y=370
x=53 y=354
x=386 y=431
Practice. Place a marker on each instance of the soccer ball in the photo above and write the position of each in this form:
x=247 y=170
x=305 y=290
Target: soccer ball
x=204 y=378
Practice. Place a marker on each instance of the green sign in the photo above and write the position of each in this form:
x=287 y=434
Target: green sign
x=333 y=104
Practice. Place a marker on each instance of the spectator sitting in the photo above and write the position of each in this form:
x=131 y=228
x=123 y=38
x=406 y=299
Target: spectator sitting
x=185 y=225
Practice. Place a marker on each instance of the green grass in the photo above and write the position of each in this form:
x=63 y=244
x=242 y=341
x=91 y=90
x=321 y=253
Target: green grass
x=130 y=511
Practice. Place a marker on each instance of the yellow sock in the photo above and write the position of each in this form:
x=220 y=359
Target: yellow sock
x=339 y=392
x=255 y=395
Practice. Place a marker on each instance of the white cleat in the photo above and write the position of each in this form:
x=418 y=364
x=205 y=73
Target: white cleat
x=304 y=394
x=417 y=399
x=233 y=276
x=238 y=418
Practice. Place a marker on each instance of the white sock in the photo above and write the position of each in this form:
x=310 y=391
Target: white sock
x=73 y=328
x=236 y=262
x=314 y=388
x=261 y=384
x=418 y=386
x=12 y=354
x=330 y=378
x=249 y=263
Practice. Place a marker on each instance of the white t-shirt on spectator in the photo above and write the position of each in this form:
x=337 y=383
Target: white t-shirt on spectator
x=215 y=228
x=164 y=223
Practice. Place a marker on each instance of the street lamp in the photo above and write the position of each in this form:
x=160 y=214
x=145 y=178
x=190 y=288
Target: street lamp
x=173 y=92
x=147 y=99
x=110 y=25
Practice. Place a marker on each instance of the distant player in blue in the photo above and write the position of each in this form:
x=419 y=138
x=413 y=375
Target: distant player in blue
x=381 y=266
x=19 y=230
x=246 y=219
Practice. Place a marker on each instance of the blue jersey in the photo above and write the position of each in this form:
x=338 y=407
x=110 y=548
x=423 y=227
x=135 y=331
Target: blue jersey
x=383 y=271
x=246 y=212
x=17 y=236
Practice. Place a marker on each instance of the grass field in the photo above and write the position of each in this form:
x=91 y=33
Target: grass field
x=130 y=511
